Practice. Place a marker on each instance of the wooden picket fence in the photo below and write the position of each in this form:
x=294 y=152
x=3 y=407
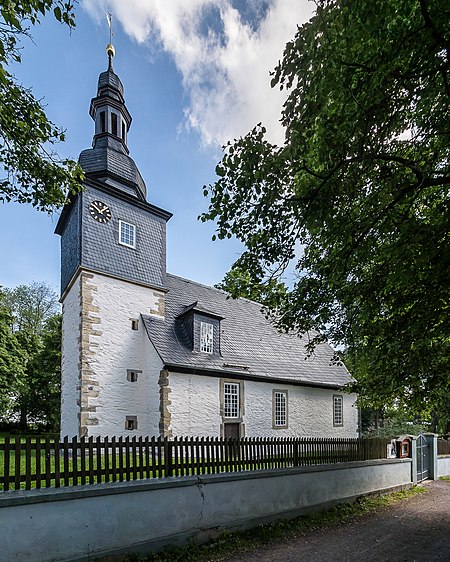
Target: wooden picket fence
x=36 y=462
x=443 y=447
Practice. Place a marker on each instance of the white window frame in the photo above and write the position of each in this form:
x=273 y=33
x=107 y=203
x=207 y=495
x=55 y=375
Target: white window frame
x=338 y=410
x=121 y=240
x=280 y=409
x=206 y=337
x=231 y=400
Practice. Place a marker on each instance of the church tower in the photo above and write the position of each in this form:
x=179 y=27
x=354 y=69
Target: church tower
x=113 y=268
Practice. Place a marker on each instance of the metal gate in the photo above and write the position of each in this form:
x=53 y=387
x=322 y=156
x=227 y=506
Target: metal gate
x=423 y=458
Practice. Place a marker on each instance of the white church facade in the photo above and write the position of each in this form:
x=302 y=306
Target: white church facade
x=146 y=353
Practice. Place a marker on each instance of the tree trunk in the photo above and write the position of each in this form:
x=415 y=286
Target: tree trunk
x=23 y=422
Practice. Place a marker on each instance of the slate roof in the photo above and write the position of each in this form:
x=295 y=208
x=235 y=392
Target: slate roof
x=109 y=78
x=250 y=345
x=110 y=158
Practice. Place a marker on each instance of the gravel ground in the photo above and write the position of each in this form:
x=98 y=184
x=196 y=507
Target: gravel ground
x=415 y=530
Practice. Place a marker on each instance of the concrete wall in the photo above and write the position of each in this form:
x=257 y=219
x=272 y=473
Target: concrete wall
x=443 y=465
x=195 y=409
x=96 y=396
x=87 y=521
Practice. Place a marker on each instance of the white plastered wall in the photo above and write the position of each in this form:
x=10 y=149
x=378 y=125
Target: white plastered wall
x=112 y=349
x=70 y=358
x=195 y=409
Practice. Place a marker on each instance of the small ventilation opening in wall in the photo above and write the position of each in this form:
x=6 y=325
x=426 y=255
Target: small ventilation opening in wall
x=135 y=324
x=132 y=375
x=131 y=423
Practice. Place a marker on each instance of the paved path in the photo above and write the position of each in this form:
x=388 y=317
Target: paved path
x=415 y=530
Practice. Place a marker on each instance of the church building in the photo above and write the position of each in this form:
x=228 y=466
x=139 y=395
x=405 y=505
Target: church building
x=147 y=353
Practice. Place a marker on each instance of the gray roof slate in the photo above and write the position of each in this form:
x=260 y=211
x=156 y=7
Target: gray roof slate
x=249 y=343
x=111 y=158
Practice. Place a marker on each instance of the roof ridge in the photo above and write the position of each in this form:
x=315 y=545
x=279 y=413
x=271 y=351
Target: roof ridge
x=213 y=289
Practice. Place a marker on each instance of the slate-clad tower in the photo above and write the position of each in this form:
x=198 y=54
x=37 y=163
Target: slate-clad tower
x=113 y=267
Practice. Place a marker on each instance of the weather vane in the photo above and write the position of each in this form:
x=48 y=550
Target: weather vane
x=110 y=47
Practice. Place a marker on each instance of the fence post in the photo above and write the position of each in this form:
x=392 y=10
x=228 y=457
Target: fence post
x=296 y=455
x=167 y=457
x=414 y=460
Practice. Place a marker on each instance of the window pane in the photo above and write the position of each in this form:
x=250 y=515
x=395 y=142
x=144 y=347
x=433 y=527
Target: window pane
x=127 y=234
x=206 y=337
x=280 y=409
x=337 y=410
x=231 y=400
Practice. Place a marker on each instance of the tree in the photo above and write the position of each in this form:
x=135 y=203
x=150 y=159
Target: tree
x=32 y=172
x=12 y=358
x=31 y=306
x=44 y=377
x=36 y=325
x=361 y=184
x=239 y=283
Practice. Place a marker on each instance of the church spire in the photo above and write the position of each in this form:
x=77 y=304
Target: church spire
x=109 y=157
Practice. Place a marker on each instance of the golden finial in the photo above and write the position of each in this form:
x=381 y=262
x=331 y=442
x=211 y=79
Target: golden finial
x=110 y=51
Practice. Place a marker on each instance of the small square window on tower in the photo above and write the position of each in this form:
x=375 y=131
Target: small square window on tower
x=131 y=423
x=127 y=234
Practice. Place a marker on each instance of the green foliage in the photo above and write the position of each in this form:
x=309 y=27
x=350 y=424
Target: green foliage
x=12 y=357
x=239 y=283
x=396 y=424
x=32 y=171
x=32 y=380
x=361 y=184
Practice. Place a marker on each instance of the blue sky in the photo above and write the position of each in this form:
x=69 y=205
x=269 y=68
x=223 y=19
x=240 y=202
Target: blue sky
x=196 y=74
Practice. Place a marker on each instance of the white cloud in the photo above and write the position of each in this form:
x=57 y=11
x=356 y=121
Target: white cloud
x=223 y=59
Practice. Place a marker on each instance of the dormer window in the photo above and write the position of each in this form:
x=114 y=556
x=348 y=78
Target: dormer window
x=206 y=337
x=199 y=329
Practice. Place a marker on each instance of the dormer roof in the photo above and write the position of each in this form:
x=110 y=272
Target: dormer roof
x=199 y=309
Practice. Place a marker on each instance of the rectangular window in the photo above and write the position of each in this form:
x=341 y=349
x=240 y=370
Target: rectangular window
x=131 y=423
x=102 y=121
x=338 y=410
x=123 y=131
x=127 y=234
x=279 y=408
x=114 y=124
x=231 y=400
x=206 y=337
x=132 y=375
x=134 y=324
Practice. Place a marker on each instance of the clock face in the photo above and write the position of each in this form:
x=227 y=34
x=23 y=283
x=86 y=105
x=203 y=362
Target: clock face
x=99 y=211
